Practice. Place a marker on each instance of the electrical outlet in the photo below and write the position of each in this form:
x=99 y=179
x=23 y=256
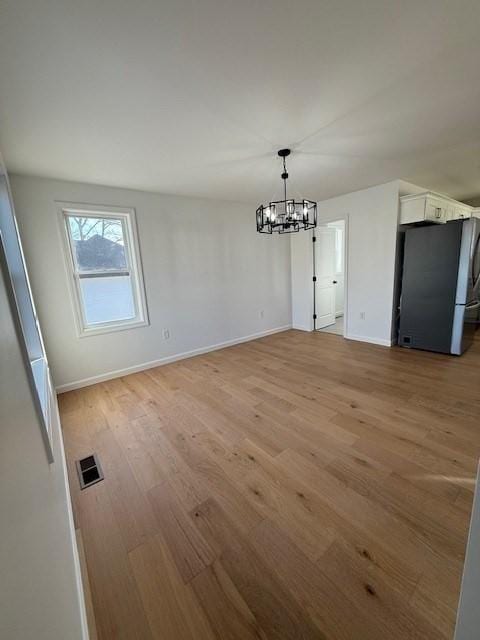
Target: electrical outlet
x=166 y=334
x=362 y=315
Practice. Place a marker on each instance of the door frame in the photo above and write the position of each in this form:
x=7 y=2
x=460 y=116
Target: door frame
x=323 y=221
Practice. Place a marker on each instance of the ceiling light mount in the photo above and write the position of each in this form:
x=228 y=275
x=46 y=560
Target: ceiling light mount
x=287 y=215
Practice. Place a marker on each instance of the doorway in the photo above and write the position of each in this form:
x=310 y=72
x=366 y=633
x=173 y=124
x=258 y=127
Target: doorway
x=330 y=276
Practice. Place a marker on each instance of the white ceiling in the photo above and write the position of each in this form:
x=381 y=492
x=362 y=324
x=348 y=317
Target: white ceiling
x=195 y=96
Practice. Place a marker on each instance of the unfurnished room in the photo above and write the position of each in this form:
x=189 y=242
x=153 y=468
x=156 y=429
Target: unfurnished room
x=239 y=320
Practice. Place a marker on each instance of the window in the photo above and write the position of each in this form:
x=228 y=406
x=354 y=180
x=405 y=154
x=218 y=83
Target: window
x=103 y=255
x=12 y=265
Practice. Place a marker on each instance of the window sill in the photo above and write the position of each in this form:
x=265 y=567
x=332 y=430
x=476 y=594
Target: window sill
x=40 y=377
x=42 y=384
x=112 y=328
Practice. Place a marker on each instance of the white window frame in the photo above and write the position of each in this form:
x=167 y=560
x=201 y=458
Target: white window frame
x=134 y=266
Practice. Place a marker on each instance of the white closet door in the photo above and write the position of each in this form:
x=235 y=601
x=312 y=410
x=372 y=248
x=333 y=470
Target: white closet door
x=325 y=272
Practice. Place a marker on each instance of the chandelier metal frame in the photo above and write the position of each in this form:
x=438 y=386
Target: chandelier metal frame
x=287 y=215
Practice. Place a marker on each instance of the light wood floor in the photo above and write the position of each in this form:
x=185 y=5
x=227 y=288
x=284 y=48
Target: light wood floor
x=299 y=486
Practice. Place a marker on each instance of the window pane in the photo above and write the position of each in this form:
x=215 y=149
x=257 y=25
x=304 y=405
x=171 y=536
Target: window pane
x=98 y=243
x=107 y=299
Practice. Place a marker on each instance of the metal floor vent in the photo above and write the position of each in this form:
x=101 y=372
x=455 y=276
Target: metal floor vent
x=89 y=471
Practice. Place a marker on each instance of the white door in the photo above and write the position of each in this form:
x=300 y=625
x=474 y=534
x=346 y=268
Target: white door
x=325 y=272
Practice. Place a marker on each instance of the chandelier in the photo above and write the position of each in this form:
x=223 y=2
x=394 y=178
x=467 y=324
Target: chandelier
x=288 y=215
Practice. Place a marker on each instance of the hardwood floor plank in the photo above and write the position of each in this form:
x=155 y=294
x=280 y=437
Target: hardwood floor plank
x=288 y=502
x=118 y=608
x=278 y=615
x=214 y=478
x=406 y=539
x=189 y=550
x=188 y=487
x=225 y=608
x=441 y=614
x=384 y=606
x=415 y=473
x=136 y=445
x=132 y=510
x=171 y=606
x=314 y=592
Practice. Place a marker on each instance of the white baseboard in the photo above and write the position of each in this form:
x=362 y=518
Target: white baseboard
x=301 y=327
x=118 y=373
x=380 y=341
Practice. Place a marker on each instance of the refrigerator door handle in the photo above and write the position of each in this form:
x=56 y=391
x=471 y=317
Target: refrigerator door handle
x=473 y=305
x=476 y=281
x=476 y=284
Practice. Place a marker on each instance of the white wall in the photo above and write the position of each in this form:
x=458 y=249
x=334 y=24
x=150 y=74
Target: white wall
x=372 y=221
x=40 y=590
x=408 y=188
x=468 y=614
x=208 y=275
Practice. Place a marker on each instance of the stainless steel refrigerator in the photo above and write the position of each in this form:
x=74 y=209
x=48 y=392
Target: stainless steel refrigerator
x=439 y=304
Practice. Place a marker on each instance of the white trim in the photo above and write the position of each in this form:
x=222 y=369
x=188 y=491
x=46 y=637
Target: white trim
x=129 y=223
x=301 y=327
x=71 y=525
x=109 y=375
x=380 y=341
x=433 y=194
x=325 y=220
x=467 y=610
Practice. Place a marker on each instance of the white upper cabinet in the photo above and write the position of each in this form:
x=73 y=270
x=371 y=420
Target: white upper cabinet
x=431 y=207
